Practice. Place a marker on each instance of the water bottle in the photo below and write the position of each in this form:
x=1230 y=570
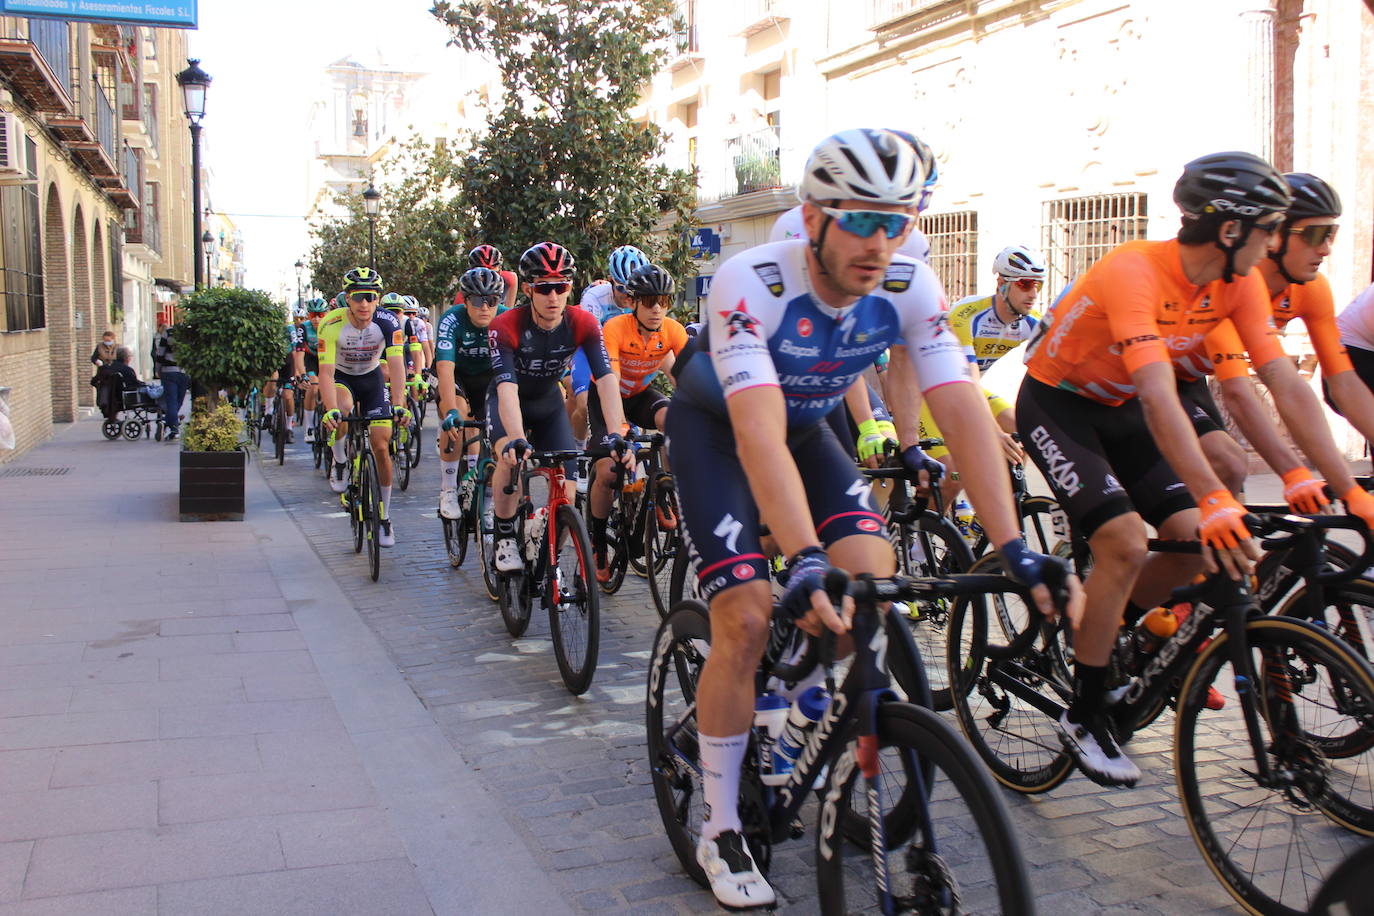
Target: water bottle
x=1153 y=630
x=806 y=711
x=965 y=521
x=770 y=717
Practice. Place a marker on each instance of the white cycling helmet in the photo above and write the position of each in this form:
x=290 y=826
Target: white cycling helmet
x=424 y=312
x=873 y=166
x=1016 y=262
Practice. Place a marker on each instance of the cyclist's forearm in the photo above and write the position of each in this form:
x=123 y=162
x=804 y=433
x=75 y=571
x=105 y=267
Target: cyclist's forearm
x=1243 y=403
x=448 y=389
x=612 y=410
x=1306 y=421
x=396 y=369
x=961 y=412
x=508 y=407
x=328 y=395
x=856 y=399
x=903 y=397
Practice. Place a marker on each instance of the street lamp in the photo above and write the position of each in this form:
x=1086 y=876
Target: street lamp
x=194 y=82
x=300 y=266
x=207 y=242
x=372 y=202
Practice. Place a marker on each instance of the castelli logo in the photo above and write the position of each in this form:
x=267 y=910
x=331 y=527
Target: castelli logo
x=743 y=571
x=869 y=525
x=804 y=327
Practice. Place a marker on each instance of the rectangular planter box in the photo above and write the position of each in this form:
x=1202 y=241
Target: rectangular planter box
x=212 y=486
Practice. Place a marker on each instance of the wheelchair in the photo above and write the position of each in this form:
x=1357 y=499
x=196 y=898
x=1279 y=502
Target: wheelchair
x=141 y=415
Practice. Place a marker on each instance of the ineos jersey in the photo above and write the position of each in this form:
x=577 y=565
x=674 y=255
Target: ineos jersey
x=766 y=327
x=536 y=359
x=790 y=226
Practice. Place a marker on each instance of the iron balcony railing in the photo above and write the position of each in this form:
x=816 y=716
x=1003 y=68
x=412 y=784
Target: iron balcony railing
x=105 y=122
x=755 y=162
x=52 y=38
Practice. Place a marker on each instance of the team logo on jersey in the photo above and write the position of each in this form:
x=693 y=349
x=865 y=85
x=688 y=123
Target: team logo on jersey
x=1206 y=303
x=739 y=321
x=938 y=322
x=804 y=327
x=743 y=571
x=867 y=524
x=771 y=276
x=898 y=278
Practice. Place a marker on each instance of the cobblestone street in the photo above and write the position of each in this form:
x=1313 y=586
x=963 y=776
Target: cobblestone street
x=571 y=773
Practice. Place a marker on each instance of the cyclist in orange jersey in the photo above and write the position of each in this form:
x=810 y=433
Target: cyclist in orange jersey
x=1101 y=417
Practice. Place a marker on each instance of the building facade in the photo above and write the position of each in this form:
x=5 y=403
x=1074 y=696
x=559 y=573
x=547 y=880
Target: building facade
x=1058 y=123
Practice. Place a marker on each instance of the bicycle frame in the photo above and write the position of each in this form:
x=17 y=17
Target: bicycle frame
x=550 y=467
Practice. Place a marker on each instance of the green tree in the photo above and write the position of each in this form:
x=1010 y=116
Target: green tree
x=562 y=159
x=230 y=338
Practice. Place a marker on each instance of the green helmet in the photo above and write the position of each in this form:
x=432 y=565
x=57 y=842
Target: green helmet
x=316 y=306
x=393 y=302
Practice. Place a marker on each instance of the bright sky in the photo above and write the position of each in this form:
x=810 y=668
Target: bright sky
x=267 y=58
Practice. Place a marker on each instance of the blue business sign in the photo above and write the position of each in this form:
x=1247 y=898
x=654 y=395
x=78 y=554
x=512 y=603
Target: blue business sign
x=176 y=14
x=704 y=286
x=705 y=244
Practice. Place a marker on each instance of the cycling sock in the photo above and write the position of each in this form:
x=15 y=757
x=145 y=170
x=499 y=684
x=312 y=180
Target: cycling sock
x=720 y=762
x=267 y=409
x=450 y=477
x=470 y=462
x=505 y=527
x=340 y=455
x=310 y=419
x=1133 y=613
x=598 y=531
x=386 y=501
x=1089 y=685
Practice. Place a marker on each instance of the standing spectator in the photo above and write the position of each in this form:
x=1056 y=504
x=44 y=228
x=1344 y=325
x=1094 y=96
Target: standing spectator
x=157 y=340
x=104 y=353
x=103 y=358
x=174 y=382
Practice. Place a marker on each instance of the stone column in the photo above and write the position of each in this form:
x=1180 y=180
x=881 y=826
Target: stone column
x=1258 y=18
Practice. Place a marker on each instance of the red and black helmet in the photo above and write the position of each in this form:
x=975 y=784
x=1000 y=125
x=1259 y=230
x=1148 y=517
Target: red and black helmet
x=485 y=256
x=546 y=261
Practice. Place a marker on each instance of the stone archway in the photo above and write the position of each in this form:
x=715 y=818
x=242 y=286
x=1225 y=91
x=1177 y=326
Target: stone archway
x=85 y=335
x=58 y=299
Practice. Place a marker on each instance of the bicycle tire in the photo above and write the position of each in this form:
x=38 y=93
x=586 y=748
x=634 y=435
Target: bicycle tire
x=617 y=547
x=680 y=649
x=279 y=436
x=1346 y=605
x=661 y=549
x=1017 y=741
x=456 y=539
x=932 y=546
x=516 y=602
x=372 y=506
x=317 y=447
x=400 y=459
x=1346 y=890
x=1222 y=798
x=844 y=871
x=483 y=534
x=576 y=623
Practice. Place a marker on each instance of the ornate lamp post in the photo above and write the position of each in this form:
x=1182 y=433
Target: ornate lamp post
x=372 y=202
x=194 y=83
x=207 y=242
x=300 y=266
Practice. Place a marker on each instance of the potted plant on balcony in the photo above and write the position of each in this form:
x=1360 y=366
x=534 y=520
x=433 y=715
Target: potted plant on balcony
x=227 y=339
x=755 y=170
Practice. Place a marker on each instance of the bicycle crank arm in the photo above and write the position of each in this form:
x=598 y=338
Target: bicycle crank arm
x=1008 y=674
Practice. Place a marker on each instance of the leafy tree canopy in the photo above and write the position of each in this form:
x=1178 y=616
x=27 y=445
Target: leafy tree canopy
x=230 y=338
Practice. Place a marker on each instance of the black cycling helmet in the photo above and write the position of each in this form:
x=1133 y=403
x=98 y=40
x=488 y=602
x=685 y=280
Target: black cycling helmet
x=485 y=256
x=364 y=279
x=1311 y=197
x=546 y=261
x=1219 y=187
x=482 y=281
x=649 y=281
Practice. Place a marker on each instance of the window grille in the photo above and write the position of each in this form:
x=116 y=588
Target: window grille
x=1078 y=230
x=953 y=241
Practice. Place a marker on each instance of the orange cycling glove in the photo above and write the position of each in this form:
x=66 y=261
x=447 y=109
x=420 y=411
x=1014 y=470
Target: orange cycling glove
x=1360 y=503
x=1303 y=492
x=1223 y=524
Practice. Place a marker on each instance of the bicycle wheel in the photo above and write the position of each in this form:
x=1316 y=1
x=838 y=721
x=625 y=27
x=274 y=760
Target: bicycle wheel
x=483 y=528
x=932 y=546
x=279 y=435
x=1346 y=891
x=456 y=538
x=317 y=447
x=963 y=859
x=661 y=549
x=516 y=602
x=1263 y=839
x=372 y=514
x=1349 y=612
x=682 y=581
x=993 y=697
x=617 y=546
x=574 y=607
x=417 y=428
x=400 y=458
x=680 y=649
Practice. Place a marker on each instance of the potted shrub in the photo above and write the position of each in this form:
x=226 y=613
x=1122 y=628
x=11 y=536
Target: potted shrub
x=226 y=339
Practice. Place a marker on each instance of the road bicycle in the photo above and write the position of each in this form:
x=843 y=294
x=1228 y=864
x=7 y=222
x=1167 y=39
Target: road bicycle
x=474 y=498
x=635 y=536
x=557 y=569
x=281 y=430
x=1269 y=815
x=908 y=820
x=363 y=497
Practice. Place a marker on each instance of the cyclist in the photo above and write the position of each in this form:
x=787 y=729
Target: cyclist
x=1356 y=323
x=532 y=347
x=463 y=366
x=315 y=310
x=292 y=367
x=605 y=301
x=1102 y=417
x=353 y=341
x=790 y=326
x=791 y=226
x=489 y=257
x=639 y=344
x=420 y=325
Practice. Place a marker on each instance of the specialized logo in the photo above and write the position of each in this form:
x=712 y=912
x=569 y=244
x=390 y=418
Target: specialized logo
x=729 y=530
x=771 y=276
x=804 y=327
x=739 y=321
x=898 y=278
x=1058 y=468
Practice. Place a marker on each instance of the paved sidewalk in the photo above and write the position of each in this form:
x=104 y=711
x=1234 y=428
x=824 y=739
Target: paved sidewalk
x=193 y=718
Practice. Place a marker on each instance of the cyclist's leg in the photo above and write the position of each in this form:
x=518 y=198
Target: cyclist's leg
x=550 y=431
x=600 y=495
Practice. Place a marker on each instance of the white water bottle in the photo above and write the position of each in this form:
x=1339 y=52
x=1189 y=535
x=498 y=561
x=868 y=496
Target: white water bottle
x=534 y=532
x=770 y=718
x=806 y=711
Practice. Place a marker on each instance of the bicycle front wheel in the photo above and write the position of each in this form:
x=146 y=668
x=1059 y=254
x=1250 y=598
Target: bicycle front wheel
x=932 y=546
x=279 y=435
x=400 y=460
x=574 y=606
x=1271 y=842
x=372 y=514
x=660 y=556
x=484 y=533
x=962 y=856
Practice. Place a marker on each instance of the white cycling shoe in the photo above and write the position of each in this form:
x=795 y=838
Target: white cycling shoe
x=1094 y=749
x=449 y=505
x=508 y=559
x=735 y=879
x=386 y=537
x=337 y=482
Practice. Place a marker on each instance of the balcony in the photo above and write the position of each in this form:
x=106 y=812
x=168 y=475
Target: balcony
x=688 y=50
x=98 y=156
x=752 y=163
x=36 y=59
x=758 y=15
x=143 y=225
x=124 y=189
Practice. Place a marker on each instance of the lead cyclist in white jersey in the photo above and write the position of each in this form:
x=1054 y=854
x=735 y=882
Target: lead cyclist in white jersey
x=790 y=326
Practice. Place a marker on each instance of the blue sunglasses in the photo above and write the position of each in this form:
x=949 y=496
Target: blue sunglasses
x=864 y=223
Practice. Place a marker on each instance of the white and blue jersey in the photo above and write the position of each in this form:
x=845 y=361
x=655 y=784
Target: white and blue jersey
x=600 y=301
x=766 y=327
